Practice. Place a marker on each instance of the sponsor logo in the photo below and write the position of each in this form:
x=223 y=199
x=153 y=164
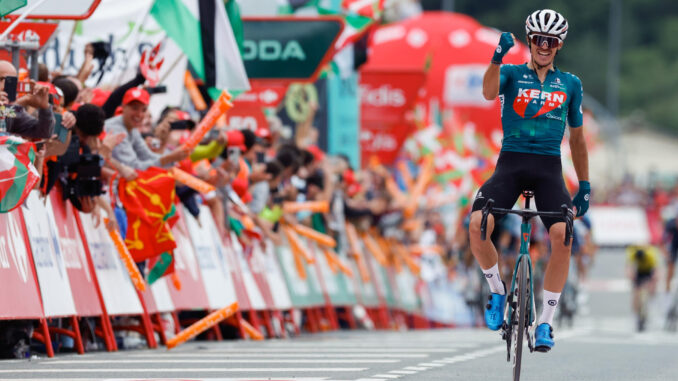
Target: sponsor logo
x=378 y=141
x=498 y=49
x=551 y=116
x=587 y=197
x=488 y=276
x=548 y=101
x=557 y=80
x=525 y=82
x=272 y=50
x=526 y=76
x=382 y=96
x=552 y=302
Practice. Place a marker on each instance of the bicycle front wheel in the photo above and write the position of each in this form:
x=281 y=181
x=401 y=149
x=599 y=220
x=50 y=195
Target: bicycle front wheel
x=520 y=321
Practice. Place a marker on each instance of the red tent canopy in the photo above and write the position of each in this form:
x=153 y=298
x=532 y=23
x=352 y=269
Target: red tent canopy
x=453 y=50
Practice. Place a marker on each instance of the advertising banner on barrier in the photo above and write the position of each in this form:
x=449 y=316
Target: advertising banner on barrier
x=366 y=290
x=302 y=292
x=407 y=295
x=83 y=286
x=48 y=257
x=257 y=265
x=382 y=280
x=274 y=276
x=119 y=294
x=257 y=301
x=192 y=294
x=20 y=297
x=339 y=288
x=619 y=225
x=218 y=284
x=229 y=265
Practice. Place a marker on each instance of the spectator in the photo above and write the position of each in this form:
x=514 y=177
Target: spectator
x=133 y=151
x=16 y=119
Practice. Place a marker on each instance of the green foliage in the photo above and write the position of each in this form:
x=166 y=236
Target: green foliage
x=649 y=56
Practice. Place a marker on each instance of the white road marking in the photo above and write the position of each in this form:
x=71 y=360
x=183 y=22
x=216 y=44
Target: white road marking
x=390 y=376
x=223 y=361
x=177 y=370
x=281 y=355
x=430 y=364
x=402 y=372
x=417 y=368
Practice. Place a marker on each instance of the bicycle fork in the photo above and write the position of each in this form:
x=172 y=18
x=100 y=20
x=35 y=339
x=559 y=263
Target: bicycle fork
x=509 y=313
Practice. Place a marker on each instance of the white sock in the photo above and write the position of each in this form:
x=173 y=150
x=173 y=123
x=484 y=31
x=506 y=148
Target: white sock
x=494 y=280
x=549 y=309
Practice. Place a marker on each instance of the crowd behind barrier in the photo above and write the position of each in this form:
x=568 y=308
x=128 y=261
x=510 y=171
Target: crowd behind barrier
x=120 y=231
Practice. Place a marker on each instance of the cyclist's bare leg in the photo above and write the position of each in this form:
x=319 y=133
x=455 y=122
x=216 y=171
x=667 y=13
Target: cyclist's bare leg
x=559 y=263
x=484 y=251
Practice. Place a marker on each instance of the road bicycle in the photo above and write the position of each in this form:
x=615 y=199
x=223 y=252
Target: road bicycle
x=520 y=311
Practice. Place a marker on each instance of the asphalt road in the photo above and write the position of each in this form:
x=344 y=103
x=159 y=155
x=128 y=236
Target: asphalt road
x=602 y=345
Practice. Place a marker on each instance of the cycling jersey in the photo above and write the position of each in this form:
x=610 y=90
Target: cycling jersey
x=647 y=263
x=534 y=114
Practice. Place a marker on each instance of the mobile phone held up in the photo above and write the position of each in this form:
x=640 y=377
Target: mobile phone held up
x=180 y=125
x=59 y=130
x=10 y=87
x=14 y=87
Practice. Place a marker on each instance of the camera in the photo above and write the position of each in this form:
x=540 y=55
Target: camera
x=88 y=180
x=101 y=50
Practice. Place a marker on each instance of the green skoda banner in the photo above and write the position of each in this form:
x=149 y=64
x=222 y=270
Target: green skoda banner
x=288 y=48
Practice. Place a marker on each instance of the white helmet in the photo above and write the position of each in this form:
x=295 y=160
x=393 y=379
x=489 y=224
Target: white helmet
x=547 y=22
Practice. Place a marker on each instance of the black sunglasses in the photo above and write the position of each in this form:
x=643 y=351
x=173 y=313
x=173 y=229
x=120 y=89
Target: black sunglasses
x=539 y=40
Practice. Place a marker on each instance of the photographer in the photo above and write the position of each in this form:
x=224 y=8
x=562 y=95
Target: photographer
x=14 y=117
x=132 y=150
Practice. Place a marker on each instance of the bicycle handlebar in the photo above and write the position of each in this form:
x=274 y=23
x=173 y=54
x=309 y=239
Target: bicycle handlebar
x=565 y=213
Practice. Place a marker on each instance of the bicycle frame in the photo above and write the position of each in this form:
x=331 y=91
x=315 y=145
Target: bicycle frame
x=523 y=254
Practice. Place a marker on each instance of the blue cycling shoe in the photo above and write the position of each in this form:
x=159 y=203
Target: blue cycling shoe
x=494 y=311
x=544 y=338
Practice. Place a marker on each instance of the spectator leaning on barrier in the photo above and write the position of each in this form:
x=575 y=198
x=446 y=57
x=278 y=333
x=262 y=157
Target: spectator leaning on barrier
x=132 y=150
x=15 y=118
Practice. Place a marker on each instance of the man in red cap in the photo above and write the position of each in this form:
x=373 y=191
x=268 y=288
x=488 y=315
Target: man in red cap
x=133 y=151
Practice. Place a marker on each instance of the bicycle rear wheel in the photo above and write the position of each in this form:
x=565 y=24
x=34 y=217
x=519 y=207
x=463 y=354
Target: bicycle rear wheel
x=520 y=321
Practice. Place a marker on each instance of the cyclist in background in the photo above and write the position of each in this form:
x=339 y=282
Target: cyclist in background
x=642 y=261
x=538 y=101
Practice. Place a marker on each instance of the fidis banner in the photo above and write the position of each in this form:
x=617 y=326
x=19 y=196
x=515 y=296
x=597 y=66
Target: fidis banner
x=386 y=96
x=386 y=116
x=48 y=257
x=75 y=258
x=20 y=297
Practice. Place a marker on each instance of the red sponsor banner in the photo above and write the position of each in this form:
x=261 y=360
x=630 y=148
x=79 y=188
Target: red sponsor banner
x=82 y=281
x=256 y=261
x=263 y=94
x=19 y=297
x=386 y=102
x=26 y=31
x=386 y=96
x=244 y=115
x=382 y=140
x=231 y=259
x=192 y=293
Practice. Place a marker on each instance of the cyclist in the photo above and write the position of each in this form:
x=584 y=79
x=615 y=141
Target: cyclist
x=537 y=102
x=671 y=238
x=643 y=261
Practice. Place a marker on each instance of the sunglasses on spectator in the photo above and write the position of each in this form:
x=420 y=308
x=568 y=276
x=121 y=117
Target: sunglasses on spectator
x=539 y=40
